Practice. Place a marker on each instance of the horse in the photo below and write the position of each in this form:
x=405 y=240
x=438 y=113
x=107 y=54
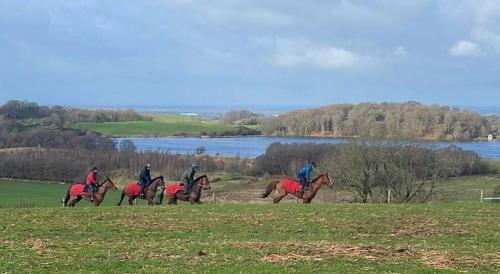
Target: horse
x=76 y=193
x=133 y=190
x=288 y=186
x=174 y=191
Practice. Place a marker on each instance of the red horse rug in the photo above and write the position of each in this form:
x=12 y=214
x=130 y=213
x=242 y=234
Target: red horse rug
x=78 y=190
x=133 y=189
x=172 y=189
x=291 y=186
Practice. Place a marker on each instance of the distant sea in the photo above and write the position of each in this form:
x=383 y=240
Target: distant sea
x=205 y=111
x=267 y=110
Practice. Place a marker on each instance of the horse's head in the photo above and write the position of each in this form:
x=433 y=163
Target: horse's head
x=160 y=182
x=326 y=180
x=204 y=182
x=108 y=184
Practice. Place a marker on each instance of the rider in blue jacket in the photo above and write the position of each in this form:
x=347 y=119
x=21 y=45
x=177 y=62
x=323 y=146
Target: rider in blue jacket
x=304 y=176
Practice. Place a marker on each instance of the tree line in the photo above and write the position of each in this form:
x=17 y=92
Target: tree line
x=241 y=117
x=27 y=124
x=30 y=113
x=71 y=165
x=386 y=120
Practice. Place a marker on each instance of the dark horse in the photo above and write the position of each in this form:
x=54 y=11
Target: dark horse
x=174 y=192
x=133 y=190
x=75 y=193
x=307 y=196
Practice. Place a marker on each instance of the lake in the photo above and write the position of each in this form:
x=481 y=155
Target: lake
x=254 y=146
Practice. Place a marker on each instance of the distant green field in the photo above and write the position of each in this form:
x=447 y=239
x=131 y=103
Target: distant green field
x=160 y=126
x=26 y=194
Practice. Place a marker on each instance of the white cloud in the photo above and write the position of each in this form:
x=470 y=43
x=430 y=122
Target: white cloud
x=481 y=18
x=466 y=48
x=303 y=53
x=487 y=37
x=400 y=51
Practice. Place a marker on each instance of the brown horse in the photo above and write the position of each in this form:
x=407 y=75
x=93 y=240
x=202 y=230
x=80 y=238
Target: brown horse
x=133 y=191
x=282 y=191
x=75 y=193
x=174 y=192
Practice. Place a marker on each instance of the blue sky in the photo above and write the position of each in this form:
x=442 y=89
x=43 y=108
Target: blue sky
x=247 y=52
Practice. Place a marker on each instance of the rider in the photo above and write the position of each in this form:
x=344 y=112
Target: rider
x=188 y=178
x=304 y=176
x=91 y=182
x=145 y=178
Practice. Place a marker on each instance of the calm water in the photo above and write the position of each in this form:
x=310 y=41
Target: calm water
x=255 y=146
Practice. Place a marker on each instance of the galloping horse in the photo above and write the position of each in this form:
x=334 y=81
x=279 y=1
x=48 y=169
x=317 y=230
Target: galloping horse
x=288 y=186
x=76 y=193
x=133 y=191
x=174 y=191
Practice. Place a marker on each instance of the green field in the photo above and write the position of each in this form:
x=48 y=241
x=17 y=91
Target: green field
x=160 y=126
x=348 y=238
x=463 y=235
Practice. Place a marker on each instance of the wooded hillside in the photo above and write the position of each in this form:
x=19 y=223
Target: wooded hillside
x=390 y=120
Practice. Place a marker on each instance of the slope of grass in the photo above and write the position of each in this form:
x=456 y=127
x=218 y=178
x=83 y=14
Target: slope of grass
x=160 y=126
x=466 y=189
x=230 y=238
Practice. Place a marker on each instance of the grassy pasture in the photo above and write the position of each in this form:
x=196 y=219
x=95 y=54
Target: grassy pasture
x=243 y=238
x=162 y=125
x=453 y=234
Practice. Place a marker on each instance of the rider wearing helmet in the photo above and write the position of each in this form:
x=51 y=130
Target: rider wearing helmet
x=91 y=182
x=145 y=178
x=304 y=176
x=188 y=178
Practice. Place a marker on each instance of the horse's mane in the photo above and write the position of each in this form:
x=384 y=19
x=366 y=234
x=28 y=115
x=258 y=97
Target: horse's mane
x=159 y=177
x=201 y=177
x=319 y=176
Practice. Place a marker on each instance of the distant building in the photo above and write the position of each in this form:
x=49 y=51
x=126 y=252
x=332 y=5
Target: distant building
x=492 y=137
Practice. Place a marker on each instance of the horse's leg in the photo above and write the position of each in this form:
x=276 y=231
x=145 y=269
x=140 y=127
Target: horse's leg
x=131 y=200
x=277 y=199
x=71 y=202
x=75 y=200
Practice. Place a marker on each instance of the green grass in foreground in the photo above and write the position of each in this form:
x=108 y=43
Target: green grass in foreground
x=160 y=126
x=336 y=238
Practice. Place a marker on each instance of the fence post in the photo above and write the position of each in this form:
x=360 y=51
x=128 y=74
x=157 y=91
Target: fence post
x=389 y=196
x=213 y=198
x=482 y=195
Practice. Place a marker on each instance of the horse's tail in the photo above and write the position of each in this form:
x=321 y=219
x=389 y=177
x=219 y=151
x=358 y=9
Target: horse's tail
x=68 y=195
x=270 y=188
x=123 y=196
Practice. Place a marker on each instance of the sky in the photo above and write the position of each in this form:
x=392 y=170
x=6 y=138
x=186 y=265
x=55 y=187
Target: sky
x=250 y=52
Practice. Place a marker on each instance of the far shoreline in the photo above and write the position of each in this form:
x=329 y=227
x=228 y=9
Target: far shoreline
x=295 y=136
